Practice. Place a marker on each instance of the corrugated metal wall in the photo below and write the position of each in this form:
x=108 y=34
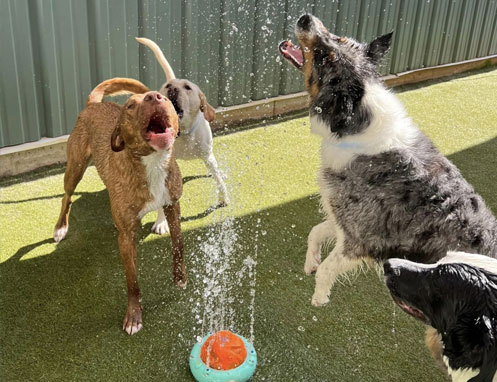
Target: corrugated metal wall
x=53 y=52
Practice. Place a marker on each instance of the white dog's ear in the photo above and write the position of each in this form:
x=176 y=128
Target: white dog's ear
x=116 y=140
x=208 y=110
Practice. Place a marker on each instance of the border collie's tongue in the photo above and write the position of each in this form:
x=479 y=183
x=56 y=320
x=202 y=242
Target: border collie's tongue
x=292 y=53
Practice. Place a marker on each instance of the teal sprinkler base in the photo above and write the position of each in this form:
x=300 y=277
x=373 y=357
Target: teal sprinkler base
x=242 y=373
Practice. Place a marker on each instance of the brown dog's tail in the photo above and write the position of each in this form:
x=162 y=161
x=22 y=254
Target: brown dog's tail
x=116 y=86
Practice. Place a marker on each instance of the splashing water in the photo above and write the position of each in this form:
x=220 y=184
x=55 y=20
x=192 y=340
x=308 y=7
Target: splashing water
x=226 y=281
x=394 y=332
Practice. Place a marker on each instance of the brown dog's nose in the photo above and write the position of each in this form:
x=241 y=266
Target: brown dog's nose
x=153 y=97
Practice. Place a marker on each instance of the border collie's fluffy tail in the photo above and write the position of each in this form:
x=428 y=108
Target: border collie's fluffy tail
x=159 y=55
x=116 y=86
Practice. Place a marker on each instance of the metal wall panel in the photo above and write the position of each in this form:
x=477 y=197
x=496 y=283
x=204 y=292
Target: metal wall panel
x=55 y=51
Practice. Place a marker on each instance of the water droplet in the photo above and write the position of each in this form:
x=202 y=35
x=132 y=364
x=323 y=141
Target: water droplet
x=318 y=110
x=301 y=329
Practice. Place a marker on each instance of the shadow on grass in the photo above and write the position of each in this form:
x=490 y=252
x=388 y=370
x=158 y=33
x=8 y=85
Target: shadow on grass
x=61 y=312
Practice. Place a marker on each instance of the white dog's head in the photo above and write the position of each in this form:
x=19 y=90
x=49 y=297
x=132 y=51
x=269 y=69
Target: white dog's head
x=188 y=100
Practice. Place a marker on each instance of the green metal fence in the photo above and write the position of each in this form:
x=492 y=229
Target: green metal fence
x=53 y=52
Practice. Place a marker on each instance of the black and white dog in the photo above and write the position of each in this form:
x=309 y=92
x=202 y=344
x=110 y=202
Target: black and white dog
x=458 y=297
x=386 y=190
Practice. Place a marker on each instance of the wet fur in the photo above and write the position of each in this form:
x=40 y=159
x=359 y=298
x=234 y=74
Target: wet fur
x=458 y=297
x=135 y=175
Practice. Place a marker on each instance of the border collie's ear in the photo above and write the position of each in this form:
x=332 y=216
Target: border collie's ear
x=116 y=140
x=378 y=47
x=208 y=110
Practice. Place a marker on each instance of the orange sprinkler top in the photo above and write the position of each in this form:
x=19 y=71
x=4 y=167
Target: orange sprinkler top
x=223 y=351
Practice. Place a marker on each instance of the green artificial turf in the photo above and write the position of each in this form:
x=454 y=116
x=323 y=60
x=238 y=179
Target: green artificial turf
x=61 y=305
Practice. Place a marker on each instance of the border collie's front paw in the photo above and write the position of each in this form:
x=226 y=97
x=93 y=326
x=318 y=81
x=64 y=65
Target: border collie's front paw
x=319 y=299
x=160 y=228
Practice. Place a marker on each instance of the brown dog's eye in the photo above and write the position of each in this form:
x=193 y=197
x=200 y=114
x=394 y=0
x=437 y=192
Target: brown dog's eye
x=131 y=105
x=168 y=86
x=187 y=87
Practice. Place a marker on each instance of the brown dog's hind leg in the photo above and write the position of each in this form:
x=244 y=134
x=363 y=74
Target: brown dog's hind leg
x=173 y=216
x=78 y=157
x=132 y=322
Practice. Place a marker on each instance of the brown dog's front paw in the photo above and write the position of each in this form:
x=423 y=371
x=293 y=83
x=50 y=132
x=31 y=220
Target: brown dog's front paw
x=59 y=233
x=132 y=322
x=180 y=280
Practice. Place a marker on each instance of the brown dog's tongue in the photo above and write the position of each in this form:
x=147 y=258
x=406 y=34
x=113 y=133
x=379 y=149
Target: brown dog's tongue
x=292 y=53
x=161 y=141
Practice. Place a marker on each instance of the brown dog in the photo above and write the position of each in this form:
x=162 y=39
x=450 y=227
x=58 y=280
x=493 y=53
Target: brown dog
x=132 y=149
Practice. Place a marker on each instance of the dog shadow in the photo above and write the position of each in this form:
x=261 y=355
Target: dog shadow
x=484 y=181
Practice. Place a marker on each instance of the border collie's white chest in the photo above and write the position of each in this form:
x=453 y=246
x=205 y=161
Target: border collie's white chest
x=155 y=167
x=463 y=375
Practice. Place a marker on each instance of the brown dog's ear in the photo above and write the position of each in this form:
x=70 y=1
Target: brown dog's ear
x=116 y=140
x=208 y=110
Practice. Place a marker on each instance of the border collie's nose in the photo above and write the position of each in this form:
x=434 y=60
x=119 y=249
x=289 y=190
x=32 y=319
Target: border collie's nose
x=304 y=22
x=153 y=96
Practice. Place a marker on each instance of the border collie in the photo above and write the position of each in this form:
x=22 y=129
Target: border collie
x=386 y=190
x=458 y=297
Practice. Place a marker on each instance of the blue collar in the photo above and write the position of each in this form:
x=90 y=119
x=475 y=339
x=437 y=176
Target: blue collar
x=347 y=145
x=189 y=132
x=194 y=127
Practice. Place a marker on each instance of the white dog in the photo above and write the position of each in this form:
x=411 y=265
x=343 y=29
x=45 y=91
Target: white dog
x=195 y=136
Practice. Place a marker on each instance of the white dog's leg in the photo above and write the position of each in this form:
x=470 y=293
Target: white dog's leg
x=317 y=237
x=160 y=226
x=211 y=164
x=333 y=266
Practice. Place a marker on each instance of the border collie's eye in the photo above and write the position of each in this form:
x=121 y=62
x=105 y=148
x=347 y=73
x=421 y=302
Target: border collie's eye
x=187 y=87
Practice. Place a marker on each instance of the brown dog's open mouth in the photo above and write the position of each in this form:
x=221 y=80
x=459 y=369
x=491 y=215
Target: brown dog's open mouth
x=292 y=53
x=157 y=124
x=416 y=313
x=159 y=133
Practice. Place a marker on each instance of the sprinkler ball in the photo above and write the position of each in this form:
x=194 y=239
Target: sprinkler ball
x=223 y=357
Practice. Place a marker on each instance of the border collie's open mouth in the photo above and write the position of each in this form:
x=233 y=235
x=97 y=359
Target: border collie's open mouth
x=158 y=132
x=416 y=313
x=292 y=53
x=179 y=110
